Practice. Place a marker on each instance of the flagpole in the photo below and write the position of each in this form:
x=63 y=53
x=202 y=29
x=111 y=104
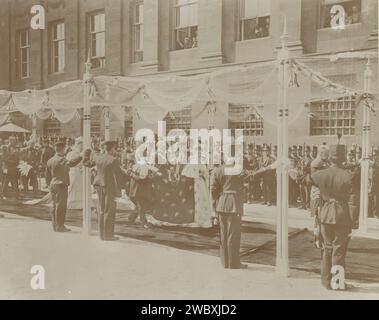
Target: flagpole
x=87 y=77
x=365 y=162
x=282 y=264
x=107 y=132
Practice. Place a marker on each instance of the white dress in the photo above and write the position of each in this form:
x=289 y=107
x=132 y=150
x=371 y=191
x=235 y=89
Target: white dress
x=203 y=210
x=75 y=190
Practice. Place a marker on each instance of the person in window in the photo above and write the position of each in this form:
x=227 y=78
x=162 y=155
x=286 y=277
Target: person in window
x=258 y=33
x=355 y=16
x=185 y=44
x=194 y=40
x=266 y=27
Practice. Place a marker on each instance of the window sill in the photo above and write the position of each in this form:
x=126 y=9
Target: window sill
x=348 y=26
x=252 y=40
x=185 y=50
x=57 y=73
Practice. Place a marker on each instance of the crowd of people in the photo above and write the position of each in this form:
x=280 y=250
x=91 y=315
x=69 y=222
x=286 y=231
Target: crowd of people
x=24 y=163
x=261 y=186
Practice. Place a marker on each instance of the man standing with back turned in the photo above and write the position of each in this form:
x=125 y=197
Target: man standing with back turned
x=107 y=183
x=227 y=192
x=337 y=218
x=58 y=168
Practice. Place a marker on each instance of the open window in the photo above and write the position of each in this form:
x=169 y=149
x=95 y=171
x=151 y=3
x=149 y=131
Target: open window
x=352 y=11
x=186 y=22
x=254 y=19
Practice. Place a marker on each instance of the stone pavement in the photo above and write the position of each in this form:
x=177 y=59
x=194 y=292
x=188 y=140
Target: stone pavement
x=79 y=267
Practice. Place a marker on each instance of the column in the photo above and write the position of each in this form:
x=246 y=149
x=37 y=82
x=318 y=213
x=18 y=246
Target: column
x=210 y=32
x=87 y=78
x=151 y=35
x=372 y=17
x=365 y=163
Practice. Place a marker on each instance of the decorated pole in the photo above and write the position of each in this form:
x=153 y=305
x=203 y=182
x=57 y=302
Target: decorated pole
x=34 y=127
x=282 y=266
x=87 y=78
x=107 y=132
x=211 y=126
x=365 y=162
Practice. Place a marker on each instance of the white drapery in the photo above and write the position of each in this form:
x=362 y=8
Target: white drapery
x=154 y=98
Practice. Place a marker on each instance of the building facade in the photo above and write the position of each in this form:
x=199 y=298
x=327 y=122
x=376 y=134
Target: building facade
x=187 y=37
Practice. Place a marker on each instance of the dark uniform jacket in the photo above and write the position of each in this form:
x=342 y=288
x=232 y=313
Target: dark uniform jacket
x=339 y=196
x=30 y=156
x=11 y=160
x=58 y=169
x=227 y=192
x=375 y=178
x=109 y=174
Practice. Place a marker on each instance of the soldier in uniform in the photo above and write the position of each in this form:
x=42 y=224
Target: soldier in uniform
x=268 y=177
x=320 y=163
x=58 y=168
x=375 y=185
x=11 y=160
x=248 y=164
x=336 y=187
x=304 y=178
x=31 y=156
x=255 y=180
x=108 y=183
x=47 y=152
x=294 y=176
x=227 y=193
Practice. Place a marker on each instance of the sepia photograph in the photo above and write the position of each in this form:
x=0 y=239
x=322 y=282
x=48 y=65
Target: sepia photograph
x=189 y=150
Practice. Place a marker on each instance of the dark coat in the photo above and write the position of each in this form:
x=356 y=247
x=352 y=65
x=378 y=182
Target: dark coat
x=109 y=174
x=58 y=169
x=339 y=195
x=227 y=192
x=11 y=160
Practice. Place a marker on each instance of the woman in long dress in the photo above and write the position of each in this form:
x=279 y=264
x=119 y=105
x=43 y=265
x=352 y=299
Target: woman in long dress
x=181 y=198
x=75 y=191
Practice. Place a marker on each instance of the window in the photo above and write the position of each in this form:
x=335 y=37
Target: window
x=247 y=118
x=333 y=117
x=129 y=122
x=186 y=12
x=352 y=11
x=179 y=120
x=97 y=39
x=52 y=127
x=255 y=19
x=138 y=31
x=23 y=51
x=57 y=47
